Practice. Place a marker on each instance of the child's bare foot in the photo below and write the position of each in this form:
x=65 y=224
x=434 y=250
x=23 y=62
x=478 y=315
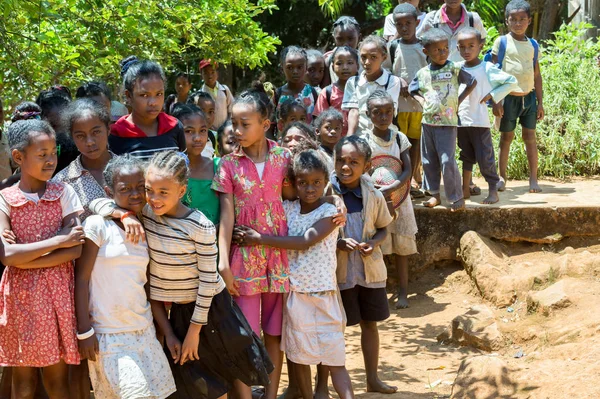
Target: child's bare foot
x=381 y=387
x=492 y=198
x=290 y=394
x=457 y=206
x=432 y=202
x=402 y=297
x=534 y=187
x=501 y=185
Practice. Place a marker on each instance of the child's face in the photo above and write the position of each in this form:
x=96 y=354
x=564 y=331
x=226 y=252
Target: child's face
x=228 y=143
x=248 y=125
x=296 y=114
x=163 y=192
x=90 y=135
x=350 y=165
x=148 y=97
x=294 y=68
x=371 y=58
x=208 y=109
x=469 y=46
x=518 y=21
x=39 y=158
x=437 y=52
x=182 y=86
x=210 y=75
x=330 y=132
x=293 y=138
x=128 y=190
x=406 y=25
x=381 y=112
x=453 y=4
x=315 y=71
x=195 y=129
x=346 y=37
x=310 y=185
x=345 y=65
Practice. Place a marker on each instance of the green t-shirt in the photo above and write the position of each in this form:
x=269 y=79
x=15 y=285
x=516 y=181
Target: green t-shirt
x=202 y=197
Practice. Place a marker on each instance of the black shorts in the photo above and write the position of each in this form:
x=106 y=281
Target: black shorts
x=521 y=109
x=365 y=304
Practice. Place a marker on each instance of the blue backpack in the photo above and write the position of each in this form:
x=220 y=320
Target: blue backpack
x=502 y=50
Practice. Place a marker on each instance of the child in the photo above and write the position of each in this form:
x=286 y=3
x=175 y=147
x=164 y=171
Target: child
x=38 y=329
x=182 y=87
x=520 y=59
x=474 y=136
x=296 y=134
x=315 y=69
x=373 y=51
x=345 y=66
x=220 y=93
x=451 y=18
x=210 y=342
x=226 y=141
x=436 y=88
x=251 y=183
x=328 y=127
x=386 y=140
x=346 y=32
x=147 y=129
x=361 y=271
x=313 y=320
x=207 y=104
x=389 y=29
x=96 y=91
x=127 y=361
x=202 y=168
x=26 y=110
x=408 y=57
x=291 y=111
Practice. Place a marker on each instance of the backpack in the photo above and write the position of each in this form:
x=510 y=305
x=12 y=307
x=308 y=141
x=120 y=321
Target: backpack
x=502 y=51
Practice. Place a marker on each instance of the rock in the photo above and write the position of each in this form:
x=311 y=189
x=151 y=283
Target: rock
x=552 y=298
x=476 y=328
x=483 y=377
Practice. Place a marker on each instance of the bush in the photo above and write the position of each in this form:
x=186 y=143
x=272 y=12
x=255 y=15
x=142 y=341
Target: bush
x=569 y=135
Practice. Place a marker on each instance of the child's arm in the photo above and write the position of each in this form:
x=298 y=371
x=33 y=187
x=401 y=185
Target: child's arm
x=366 y=248
x=469 y=81
x=159 y=313
x=402 y=179
x=353 y=121
x=313 y=235
x=227 y=221
x=539 y=91
x=88 y=348
x=502 y=85
x=105 y=207
x=415 y=91
x=350 y=104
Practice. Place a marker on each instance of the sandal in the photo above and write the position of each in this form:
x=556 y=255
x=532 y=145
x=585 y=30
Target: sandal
x=416 y=193
x=474 y=190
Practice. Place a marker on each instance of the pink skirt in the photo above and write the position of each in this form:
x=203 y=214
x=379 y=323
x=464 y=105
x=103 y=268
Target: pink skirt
x=37 y=317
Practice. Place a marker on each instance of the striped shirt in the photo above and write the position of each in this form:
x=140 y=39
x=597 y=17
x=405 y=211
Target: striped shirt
x=183 y=260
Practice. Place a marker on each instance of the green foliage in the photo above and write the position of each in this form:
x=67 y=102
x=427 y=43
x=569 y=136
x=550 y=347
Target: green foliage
x=69 y=41
x=568 y=139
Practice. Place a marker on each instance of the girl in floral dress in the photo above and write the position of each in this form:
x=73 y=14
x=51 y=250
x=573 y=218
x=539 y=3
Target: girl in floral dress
x=37 y=314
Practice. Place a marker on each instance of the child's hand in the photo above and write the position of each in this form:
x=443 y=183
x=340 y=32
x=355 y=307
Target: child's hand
x=189 y=351
x=246 y=235
x=340 y=218
x=366 y=248
x=498 y=110
x=174 y=346
x=88 y=348
x=485 y=99
x=232 y=285
x=347 y=244
x=404 y=88
x=71 y=235
x=386 y=190
x=540 y=112
x=9 y=237
x=134 y=231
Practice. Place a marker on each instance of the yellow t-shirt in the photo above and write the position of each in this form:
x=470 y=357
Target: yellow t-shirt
x=518 y=61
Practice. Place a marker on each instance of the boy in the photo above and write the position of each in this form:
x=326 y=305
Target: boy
x=436 y=88
x=219 y=92
x=474 y=136
x=389 y=28
x=407 y=59
x=526 y=103
x=373 y=52
x=182 y=87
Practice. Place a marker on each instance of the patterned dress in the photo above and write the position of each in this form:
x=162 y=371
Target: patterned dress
x=257 y=269
x=37 y=310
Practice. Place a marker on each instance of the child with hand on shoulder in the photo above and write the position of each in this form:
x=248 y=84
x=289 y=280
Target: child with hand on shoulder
x=219 y=92
x=474 y=135
x=42 y=235
x=436 y=87
x=386 y=140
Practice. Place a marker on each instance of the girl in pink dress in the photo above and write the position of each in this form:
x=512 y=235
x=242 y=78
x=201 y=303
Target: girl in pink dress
x=37 y=313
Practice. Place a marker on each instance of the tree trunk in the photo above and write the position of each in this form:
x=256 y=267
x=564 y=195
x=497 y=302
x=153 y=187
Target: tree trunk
x=548 y=21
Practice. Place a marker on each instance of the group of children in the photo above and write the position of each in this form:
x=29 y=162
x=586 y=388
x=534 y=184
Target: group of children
x=184 y=245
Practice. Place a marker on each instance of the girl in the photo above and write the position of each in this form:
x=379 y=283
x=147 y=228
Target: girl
x=315 y=69
x=296 y=134
x=182 y=87
x=346 y=32
x=96 y=91
x=127 y=361
x=88 y=124
x=291 y=111
x=199 y=194
x=384 y=140
x=313 y=317
x=226 y=141
x=26 y=110
x=208 y=106
x=251 y=182
x=345 y=66
x=38 y=327
x=328 y=127
x=219 y=347
x=147 y=129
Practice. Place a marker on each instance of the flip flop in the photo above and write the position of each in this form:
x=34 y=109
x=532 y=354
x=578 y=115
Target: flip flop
x=416 y=193
x=475 y=190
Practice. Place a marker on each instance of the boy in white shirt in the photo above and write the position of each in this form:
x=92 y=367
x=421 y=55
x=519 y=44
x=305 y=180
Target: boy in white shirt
x=389 y=28
x=219 y=92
